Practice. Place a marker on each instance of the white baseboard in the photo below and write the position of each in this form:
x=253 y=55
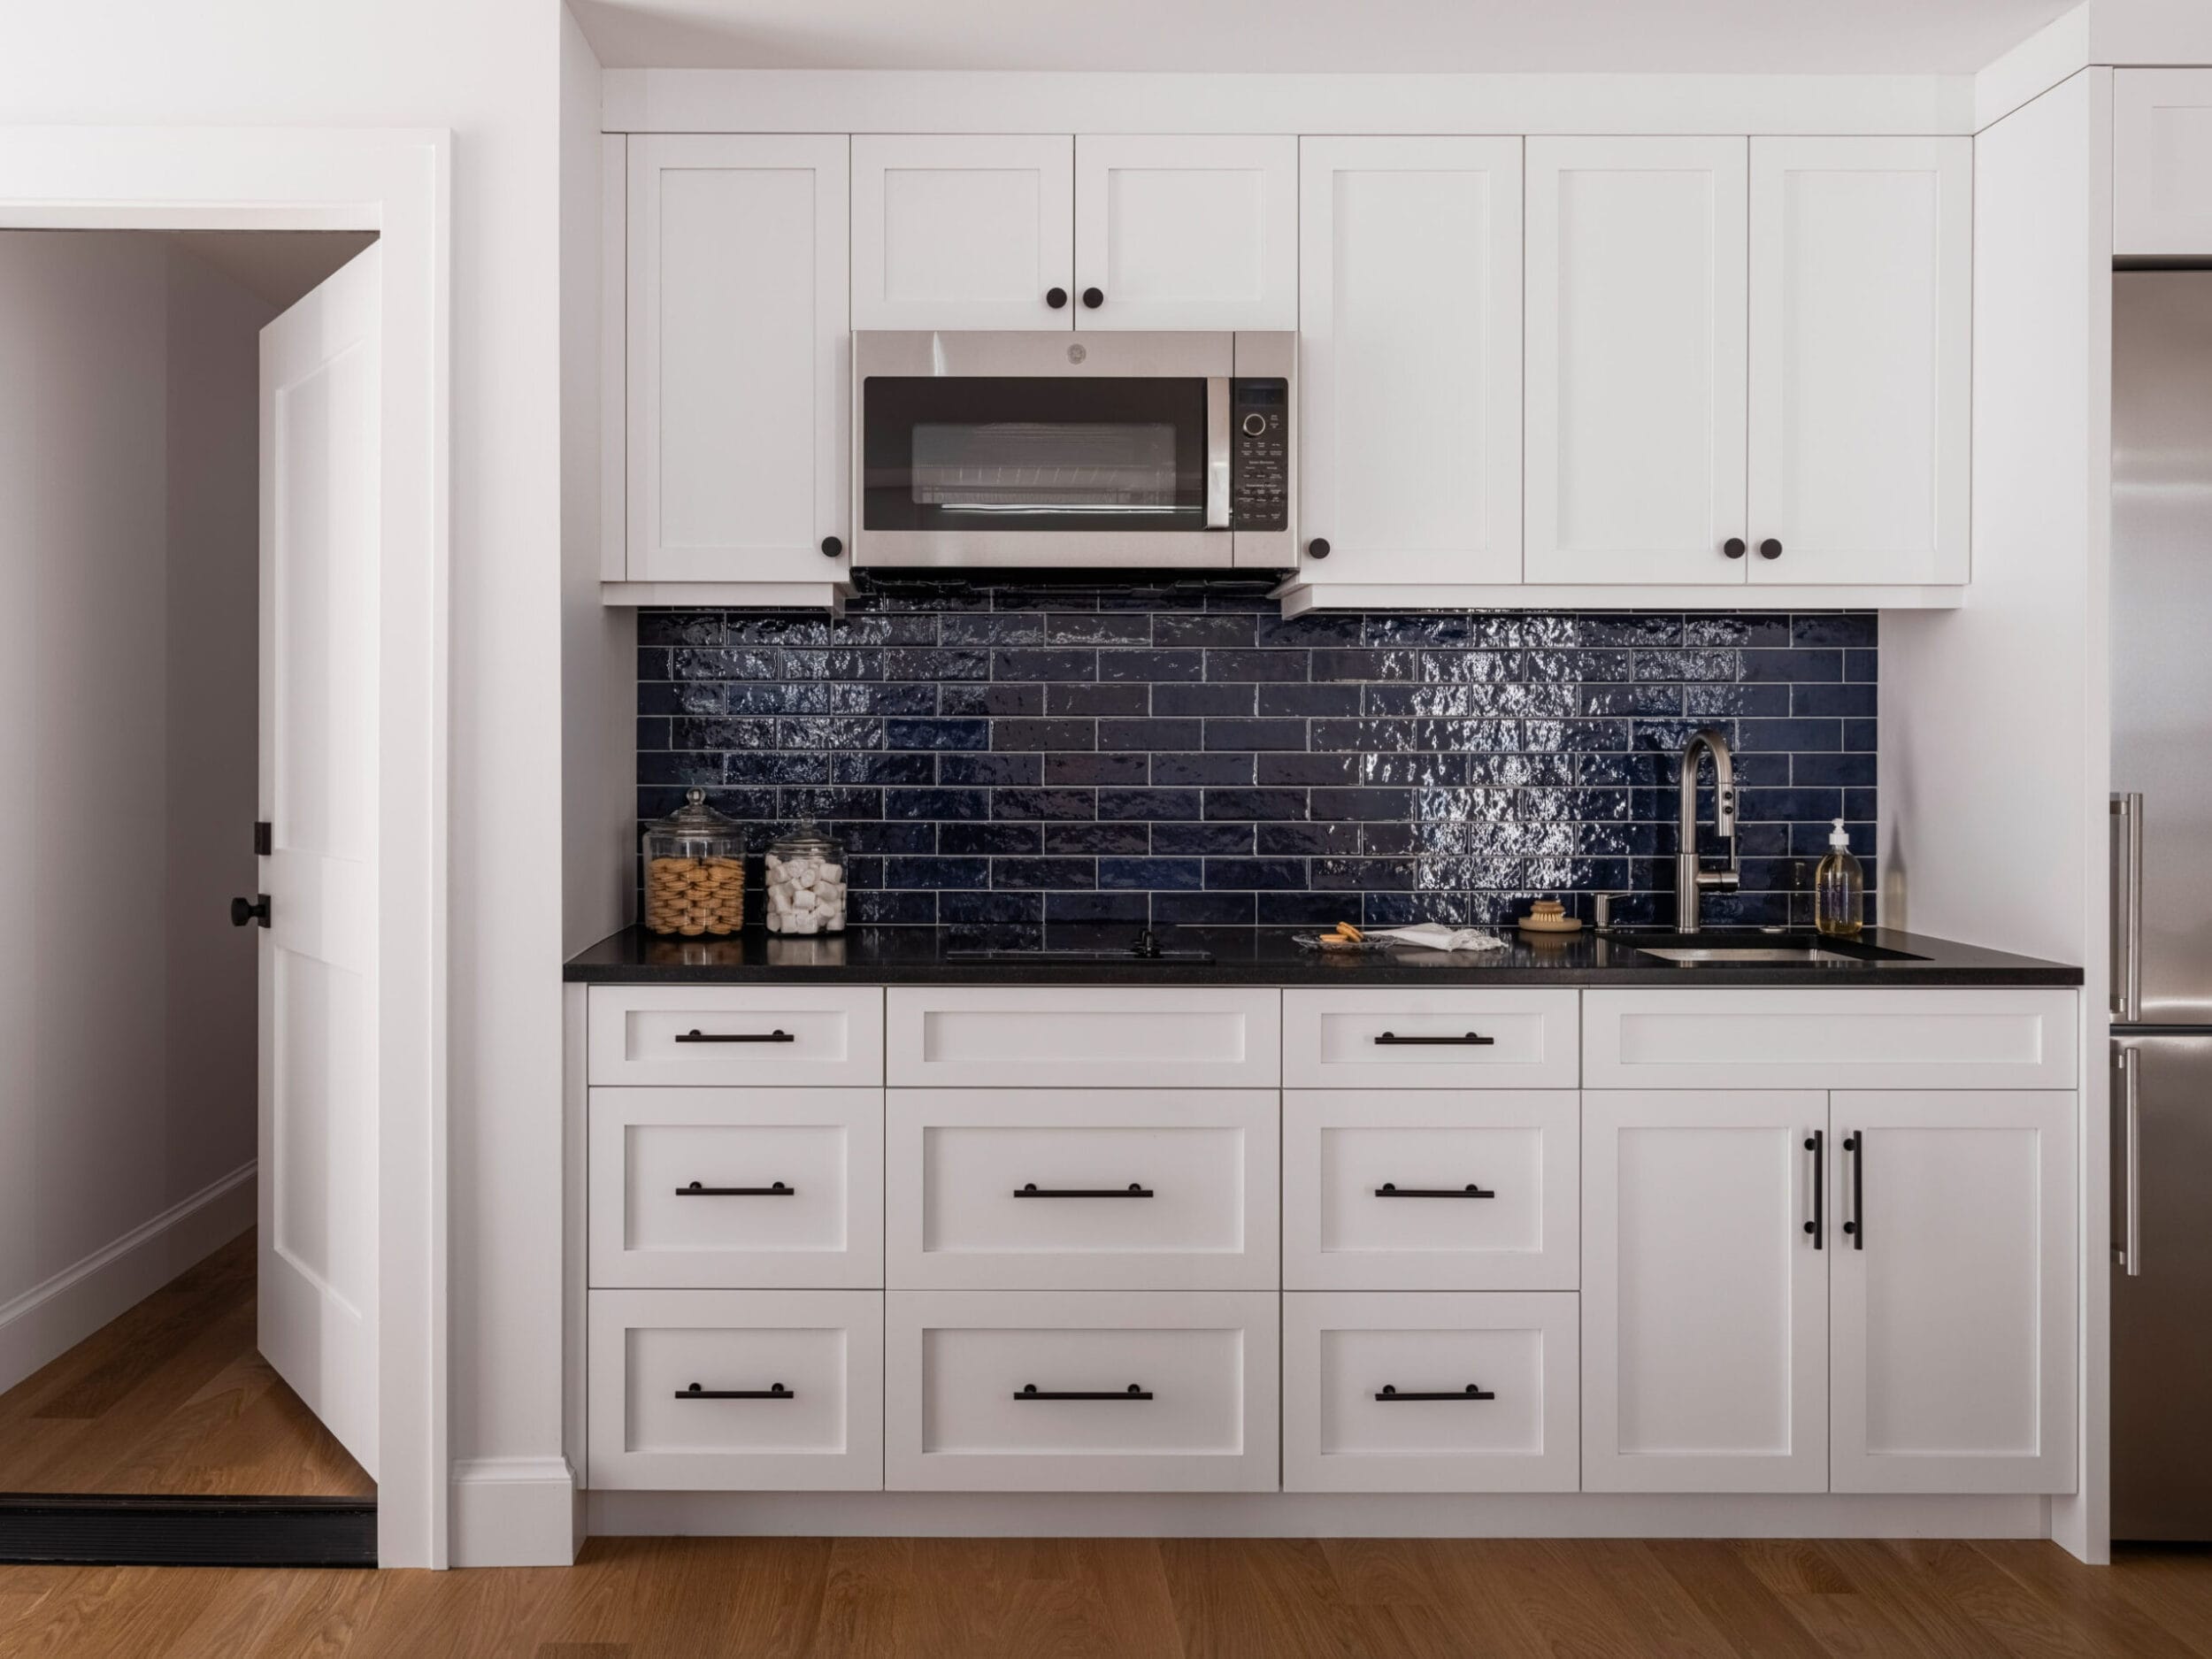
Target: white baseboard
x=1305 y=1515
x=47 y=1320
x=515 y=1512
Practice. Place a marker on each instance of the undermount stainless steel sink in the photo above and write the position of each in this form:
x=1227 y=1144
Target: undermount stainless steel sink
x=1744 y=952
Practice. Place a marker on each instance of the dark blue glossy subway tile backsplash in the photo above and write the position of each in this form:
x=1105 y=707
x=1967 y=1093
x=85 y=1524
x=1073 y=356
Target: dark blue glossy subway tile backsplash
x=1002 y=757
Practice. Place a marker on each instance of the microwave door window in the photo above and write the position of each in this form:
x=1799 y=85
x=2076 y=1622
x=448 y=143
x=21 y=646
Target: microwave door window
x=1024 y=455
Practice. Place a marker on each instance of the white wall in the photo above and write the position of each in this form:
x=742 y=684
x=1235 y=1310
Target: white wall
x=488 y=71
x=128 y=373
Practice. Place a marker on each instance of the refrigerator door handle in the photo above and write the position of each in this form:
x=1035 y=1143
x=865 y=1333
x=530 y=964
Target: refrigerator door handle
x=2127 y=943
x=2128 y=1250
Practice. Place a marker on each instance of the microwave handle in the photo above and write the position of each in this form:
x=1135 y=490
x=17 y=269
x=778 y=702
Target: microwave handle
x=1218 y=453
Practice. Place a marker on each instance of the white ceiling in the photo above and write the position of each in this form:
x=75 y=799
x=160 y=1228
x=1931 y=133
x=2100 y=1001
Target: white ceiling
x=1466 y=36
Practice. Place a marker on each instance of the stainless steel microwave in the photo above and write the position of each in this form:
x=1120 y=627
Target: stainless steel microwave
x=1065 y=450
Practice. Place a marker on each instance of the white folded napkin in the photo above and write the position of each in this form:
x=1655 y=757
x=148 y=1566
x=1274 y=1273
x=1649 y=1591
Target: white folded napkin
x=1436 y=936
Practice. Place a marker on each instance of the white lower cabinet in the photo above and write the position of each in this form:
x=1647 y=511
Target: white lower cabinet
x=1436 y=1391
x=1081 y=1391
x=1102 y=1189
x=736 y=1390
x=1704 y=1299
x=1430 y=1189
x=1952 y=1314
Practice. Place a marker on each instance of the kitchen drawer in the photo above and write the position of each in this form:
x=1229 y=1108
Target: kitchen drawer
x=1014 y=1189
x=789 y=1187
x=977 y=1385
x=1376 y=1189
x=732 y=1034
x=823 y=1350
x=1084 y=1036
x=1355 y=1368
x=1850 y=1038
x=1398 y=1038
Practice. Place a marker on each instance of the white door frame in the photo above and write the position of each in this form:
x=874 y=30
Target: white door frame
x=396 y=182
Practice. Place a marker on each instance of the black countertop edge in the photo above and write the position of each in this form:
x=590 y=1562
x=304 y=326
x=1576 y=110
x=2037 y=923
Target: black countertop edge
x=1258 y=957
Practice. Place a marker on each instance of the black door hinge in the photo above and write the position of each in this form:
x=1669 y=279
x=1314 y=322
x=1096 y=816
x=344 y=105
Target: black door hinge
x=264 y=839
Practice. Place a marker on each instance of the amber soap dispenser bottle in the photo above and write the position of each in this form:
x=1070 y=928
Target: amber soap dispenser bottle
x=1839 y=889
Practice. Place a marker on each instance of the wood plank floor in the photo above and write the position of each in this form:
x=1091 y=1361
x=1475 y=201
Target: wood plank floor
x=172 y=1397
x=1091 y=1599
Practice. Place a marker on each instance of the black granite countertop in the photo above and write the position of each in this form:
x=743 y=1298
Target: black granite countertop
x=925 y=955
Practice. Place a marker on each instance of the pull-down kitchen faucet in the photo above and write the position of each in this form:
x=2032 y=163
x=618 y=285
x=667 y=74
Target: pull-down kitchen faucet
x=1689 y=878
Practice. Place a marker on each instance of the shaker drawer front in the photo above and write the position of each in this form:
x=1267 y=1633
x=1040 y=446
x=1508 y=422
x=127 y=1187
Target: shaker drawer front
x=1088 y=1037
x=1443 y=1392
x=1841 y=1039
x=711 y=1187
x=728 y=1034
x=788 y=1395
x=1086 y=1391
x=1431 y=1189
x=1120 y=1189
x=1429 y=1039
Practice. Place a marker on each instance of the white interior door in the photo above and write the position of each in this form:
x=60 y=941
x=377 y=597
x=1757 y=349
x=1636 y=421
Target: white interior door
x=319 y=463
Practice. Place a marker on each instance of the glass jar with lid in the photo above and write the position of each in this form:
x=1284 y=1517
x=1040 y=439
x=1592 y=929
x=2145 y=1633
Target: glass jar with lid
x=806 y=883
x=695 y=871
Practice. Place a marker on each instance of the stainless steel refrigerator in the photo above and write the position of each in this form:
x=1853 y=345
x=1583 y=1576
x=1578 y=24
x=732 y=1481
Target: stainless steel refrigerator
x=2161 y=904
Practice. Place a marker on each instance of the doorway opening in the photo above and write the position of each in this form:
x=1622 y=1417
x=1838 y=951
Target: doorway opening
x=187 y=1275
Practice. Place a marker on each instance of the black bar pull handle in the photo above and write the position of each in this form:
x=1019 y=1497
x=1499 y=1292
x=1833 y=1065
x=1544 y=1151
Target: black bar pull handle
x=1855 y=1144
x=1473 y=1391
x=1472 y=1039
x=1030 y=1189
x=696 y=1035
x=1391 y=1189
x=1030 y=1391
x=1816 y=1144
x=775 y=1190
x=774 y=1391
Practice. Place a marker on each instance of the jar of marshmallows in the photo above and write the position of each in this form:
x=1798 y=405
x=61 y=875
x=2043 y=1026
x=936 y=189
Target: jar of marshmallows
x=695 y=871
x=806 y=883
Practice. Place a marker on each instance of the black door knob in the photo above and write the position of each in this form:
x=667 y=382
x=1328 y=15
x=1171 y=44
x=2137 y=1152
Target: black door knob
x=1770 y=549
x=253 y=910
x=831 y=547
x=1055 y=297
x=1094 y=297
x=1318 y=548
x=1733 y=547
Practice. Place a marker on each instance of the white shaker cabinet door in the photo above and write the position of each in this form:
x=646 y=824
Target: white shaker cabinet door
x=953 y=230
x=1635 y=341
x=1704 y=1297
x=739 y=347
x=1861 y=276
x=1409 y=358
x=1198 y=232
x=1952 y=1365
x=2162 y=163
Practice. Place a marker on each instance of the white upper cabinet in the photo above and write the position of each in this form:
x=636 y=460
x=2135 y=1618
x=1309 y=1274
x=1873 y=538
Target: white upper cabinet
x=2162 y=163
x=1409 y=348
x=1861 y=253
x=1954 y=1293
x=1196 y=231
x=1636 y=344
x=738 y=357
x=959 y=232
x=1704 y=1298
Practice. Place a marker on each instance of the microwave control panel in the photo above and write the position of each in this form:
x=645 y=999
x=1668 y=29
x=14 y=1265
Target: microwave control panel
x=1259 y=462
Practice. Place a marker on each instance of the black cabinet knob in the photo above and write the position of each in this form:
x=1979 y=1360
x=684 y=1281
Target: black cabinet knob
x=831 y=547
x=1770 y=549
x=1733 y=547
x=1055 y=297
x=1318 y=548
x=1094 y=297
x=253 y=910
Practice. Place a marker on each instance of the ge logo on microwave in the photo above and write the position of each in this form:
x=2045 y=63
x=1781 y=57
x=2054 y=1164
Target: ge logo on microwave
x=1076 y=353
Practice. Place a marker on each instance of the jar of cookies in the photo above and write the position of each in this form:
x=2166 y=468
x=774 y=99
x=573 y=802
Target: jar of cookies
x=806 y=883
x=695 y=871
